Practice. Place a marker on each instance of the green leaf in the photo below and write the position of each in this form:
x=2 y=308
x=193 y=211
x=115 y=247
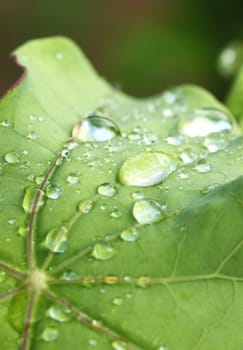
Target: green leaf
x=121 y=219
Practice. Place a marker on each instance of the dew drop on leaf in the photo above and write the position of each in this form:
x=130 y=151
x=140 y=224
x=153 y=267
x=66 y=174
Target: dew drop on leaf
x=117 y=301
x=118 y=345
x=69 y=275
x=49 y=334
x=95 y=128
x=130 y=235
x=103 y=251
x=147 y=211
x=204 y=122
x=137 y=195
x=11 y=158
x=116 y=213
x=56 y=240
x=72 y=179
x=215 y=142
x=59 y=313
x=2 y=276
x=6 y=123
x=106 y=189
x=29 y=203
x=146 y=169
x=86 y=206
x=53 y=191
x=203 y=167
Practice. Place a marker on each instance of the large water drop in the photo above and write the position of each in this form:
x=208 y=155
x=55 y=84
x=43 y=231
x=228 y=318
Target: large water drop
x=147 y=211
x=146 y=169
x=95 y=128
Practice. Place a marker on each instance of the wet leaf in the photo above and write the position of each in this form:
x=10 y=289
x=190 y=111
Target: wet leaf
x=121 y=219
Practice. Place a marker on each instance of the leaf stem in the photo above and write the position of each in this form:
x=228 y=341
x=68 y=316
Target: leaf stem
x=12 y=292
x=97 y=326
x=12 y=271
x=28 y=316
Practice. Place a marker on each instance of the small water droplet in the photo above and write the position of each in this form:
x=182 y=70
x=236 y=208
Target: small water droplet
x=32 y=136
x=116 y=213
x=11 y=157
x=174 y=140
x=56 y=239
x=215 y=142
x=130 y=235
x=95 y=128
x=187 y=156
x=147 y=211
x=3 y=276
x=137 y=195
x=210 y=188
x=86 y=206
x=59 y=313
x=72 y=179
x=203 y=167
x=146 y=169
x=11 y=221
x=143 y=281
x=6 y=123
x=29 y=202
x=205 y=121
x=230 y=59
x=162 y=347
x=93 y=342
x=106 y=189
x=59 y=56
x=49 y=334
x=103 y=251
x=69 y=275
x=53 y=191
x=150 y=138
x=119 y=345
x=117 y=301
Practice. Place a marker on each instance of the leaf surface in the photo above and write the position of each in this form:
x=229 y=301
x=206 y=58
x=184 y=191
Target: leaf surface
x=93 y=257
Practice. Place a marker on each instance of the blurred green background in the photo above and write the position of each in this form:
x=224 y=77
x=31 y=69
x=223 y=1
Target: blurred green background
x=140 y=46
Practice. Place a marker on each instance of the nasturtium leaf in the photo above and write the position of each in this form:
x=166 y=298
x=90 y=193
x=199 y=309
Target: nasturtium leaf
x=121 y=219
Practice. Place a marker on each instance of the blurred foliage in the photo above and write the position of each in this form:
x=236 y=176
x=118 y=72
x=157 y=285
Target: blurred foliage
x=142 y=46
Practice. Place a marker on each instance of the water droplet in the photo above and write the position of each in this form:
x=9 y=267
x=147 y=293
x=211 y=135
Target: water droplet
x=150 y=138
x=93 y=342
x=137 y=195
x=174 y=140
x=6 y=123
x=32 y=136
x=203 y=167
x=143 y=281
x=209 y=188
x=147 y=211
x=30 y=203
x=146 y=169
x=69 y=275
x=204 y=122
x=49 y=334
x=72 y=179
x=130 y=235
x=187 y=156
x=56 y=239
x=116 y=213
x=2 y=276
x=59 y=56
x=106 y=189
x=11 y=221
x=230 y=59
x=86 y=206
x=11 y=158
x=53 y=191
x=118 y=345
x=103 y=251
x=162 y=347
x=117 y=301
x=95 y=128
x=215 y=142
x=59 y=313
